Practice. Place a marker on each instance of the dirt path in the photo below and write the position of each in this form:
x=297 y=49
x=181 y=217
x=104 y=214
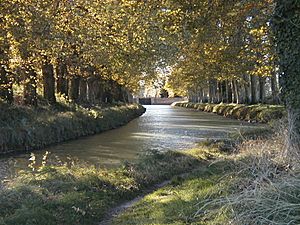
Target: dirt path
x=118 y=210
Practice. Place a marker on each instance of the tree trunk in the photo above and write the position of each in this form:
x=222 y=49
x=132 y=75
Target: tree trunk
x=199 y=95
x=107 y=96
x=102 y=87
x=74 y=88
x=116 y=91
x=91 y=92
x=211 y=96
x=253 y=84
x=242 y=95
x=229 y=92
x=223 y=91
x=238 y=93
x=30 y=87
x=205 y=95
x=287 y=33
x=226 y=92
x=83 y=90
x=125 y=94
x=118 y=95
x=246 y=89
x=235 y=94
x=49 y=83
x=215 y=91
x=6 y=91
x=274 y=88
x=219 y=92
x=210 y=91
x=262 y=90
x=189 y=96
x=61 y=78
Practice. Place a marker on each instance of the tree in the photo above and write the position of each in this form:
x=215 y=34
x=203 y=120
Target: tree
x=286 y=25
x=121 y=40
x=226 y=51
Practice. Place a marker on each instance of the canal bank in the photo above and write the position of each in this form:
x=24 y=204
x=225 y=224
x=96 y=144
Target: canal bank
x=84 y=193
x=24 y=129
x=254 y=183
x=200 y=185
x=78 y=194
x=161 y=129
x=262 y=113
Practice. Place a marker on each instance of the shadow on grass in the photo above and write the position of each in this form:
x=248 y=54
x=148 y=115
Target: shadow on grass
x=84 y=194
x=178 y=202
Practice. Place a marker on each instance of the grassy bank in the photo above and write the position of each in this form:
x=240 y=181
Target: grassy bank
x=78 y=194
x=179 y=202
x=26 y=128
x=253 y=113
x=258 y=185
x=253 y=183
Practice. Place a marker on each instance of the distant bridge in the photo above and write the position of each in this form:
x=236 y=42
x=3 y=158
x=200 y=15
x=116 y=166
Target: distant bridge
x=158 y=101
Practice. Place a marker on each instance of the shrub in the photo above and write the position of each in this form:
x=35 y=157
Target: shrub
x=255 y=113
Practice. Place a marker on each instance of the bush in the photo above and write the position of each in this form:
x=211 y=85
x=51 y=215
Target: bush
x=252 y=113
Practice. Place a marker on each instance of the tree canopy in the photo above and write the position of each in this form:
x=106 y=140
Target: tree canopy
x=218 y=51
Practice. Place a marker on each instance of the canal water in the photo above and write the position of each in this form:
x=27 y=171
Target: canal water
x=161 y=128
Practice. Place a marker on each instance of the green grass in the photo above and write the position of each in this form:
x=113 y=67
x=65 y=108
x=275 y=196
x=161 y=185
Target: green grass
x=81 y=194
x=256 y=186
x=254 y=113
x=178 y=202
x=26 y=128
x=259 y=185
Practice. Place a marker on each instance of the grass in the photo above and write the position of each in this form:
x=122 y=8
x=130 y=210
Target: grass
x=255 y=182
x=82 y=194
x=258 y=184
x=252 y=113
x=26 y=128
x=178 y=202
x=252 y=183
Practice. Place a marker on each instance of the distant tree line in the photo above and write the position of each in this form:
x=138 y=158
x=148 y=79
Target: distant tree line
x=227 y=53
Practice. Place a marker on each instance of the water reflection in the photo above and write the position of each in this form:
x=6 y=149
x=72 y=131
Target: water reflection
x=160 y=128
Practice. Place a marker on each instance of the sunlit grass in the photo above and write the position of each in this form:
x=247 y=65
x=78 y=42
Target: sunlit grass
x=257 y=185
x=178 y=202
x=80 y=194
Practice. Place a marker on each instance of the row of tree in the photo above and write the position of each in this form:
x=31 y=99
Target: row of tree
x=250 y=90
x=227 y=52
x=86 y=50
x=240 y=51
x=218 y=50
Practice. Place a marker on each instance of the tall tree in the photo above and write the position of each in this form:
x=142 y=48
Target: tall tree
x=287 y=30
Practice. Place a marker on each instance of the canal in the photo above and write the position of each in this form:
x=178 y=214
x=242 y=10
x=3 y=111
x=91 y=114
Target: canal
x=161 y=128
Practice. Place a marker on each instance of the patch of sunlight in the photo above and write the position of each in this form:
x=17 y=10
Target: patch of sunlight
x=152 y=135
x=164 y=196
x=206 y=127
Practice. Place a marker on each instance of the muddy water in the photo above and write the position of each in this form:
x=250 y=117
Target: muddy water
x=161 y=128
